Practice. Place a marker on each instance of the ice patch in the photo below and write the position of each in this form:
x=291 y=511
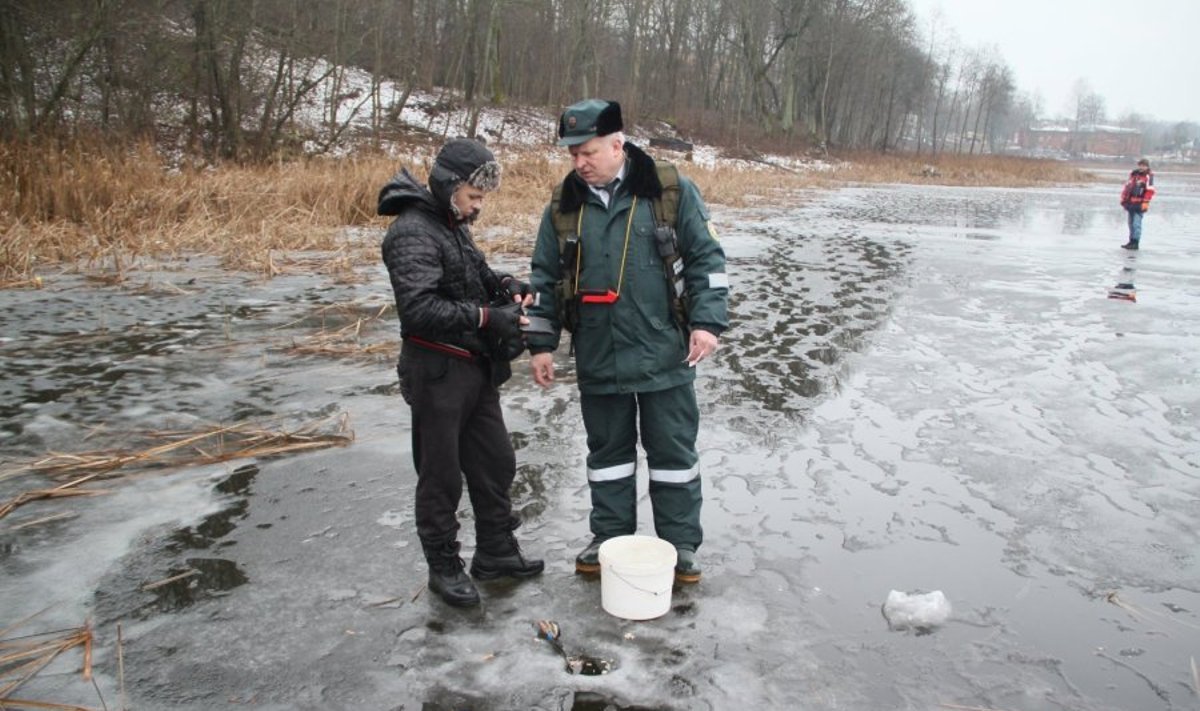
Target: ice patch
x=916 y=611
x=392 y=519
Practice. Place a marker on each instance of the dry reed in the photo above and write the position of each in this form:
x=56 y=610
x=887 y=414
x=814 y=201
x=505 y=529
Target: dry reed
x=182 y=448
x=91 y=201
x=34 y=283
x=60 y=516
x=22 y=658
x=953 y=169
x=58 y=492
x=345 y=341
x=99 y=204
x=207 y=446
x=190 y=572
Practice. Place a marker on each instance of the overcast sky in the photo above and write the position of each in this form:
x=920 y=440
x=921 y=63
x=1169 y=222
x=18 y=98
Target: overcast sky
x=1140 y=55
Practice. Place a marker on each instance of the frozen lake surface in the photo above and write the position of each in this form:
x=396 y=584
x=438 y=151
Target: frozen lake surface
x=925 y=388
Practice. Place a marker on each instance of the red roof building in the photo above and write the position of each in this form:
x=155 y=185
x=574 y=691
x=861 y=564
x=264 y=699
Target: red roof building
x=1107 y=141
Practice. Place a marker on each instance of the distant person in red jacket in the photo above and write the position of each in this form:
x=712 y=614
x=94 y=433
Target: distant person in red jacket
x=1135 y=198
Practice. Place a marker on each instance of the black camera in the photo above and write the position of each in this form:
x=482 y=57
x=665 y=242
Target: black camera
x=504 y=349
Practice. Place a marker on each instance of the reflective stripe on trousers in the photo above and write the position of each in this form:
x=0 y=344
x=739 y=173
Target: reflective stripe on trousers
x=668 y=476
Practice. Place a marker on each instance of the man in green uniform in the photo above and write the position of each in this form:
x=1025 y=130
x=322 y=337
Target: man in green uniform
x=627 y=261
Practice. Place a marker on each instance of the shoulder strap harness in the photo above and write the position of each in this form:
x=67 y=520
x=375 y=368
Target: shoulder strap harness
x=570 y=257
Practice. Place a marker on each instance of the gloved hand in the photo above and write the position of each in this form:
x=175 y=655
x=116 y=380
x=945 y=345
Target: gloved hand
x=501 y=321
x=1145 y=206
x=515 y=287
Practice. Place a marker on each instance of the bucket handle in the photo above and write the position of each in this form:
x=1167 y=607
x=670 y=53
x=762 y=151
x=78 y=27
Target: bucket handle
x=635 y=587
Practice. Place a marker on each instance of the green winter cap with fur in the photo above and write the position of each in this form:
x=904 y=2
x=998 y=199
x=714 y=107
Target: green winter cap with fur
x=587 y=119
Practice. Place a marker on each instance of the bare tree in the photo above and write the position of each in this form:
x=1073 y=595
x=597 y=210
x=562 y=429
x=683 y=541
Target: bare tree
x=1086 y=105
x=853 y=73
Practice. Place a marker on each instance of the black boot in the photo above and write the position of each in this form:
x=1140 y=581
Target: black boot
x=1130 y=245
x=447 y=579
x=501 y=556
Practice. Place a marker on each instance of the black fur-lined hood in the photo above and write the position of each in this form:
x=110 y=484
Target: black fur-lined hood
x=403 y=191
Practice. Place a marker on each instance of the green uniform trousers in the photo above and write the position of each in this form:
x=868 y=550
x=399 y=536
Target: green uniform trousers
x=669 y=422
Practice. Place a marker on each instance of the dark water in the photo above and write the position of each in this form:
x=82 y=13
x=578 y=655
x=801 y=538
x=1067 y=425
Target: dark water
x=925 y=388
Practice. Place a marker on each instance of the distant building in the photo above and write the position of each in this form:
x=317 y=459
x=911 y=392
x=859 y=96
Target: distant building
x=1101 y=141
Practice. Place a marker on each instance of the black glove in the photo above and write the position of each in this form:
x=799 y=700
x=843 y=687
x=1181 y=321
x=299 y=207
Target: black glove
x=502 y=321
x=515 y=287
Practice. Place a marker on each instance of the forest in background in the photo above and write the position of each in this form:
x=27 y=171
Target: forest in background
x=225 y=78
x=132 y=128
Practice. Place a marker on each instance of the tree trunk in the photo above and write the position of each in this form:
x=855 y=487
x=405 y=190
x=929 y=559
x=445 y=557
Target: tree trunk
x=16 y=73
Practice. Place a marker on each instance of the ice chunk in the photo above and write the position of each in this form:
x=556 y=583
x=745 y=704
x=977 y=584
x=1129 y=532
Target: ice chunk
x=916 y=611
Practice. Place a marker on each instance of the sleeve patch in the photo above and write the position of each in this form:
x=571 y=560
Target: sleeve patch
x=712 y=230
x=718 y=281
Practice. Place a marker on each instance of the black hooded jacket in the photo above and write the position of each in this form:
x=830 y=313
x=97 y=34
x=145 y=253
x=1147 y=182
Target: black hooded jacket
x=440 y=278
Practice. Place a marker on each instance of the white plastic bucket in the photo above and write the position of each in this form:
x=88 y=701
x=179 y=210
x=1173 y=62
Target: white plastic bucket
x=636 y=575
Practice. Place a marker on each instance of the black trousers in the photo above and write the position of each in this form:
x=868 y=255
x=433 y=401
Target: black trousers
x=458 y=434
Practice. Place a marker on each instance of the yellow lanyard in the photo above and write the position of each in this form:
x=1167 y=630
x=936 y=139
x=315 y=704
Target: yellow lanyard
x=624 y=252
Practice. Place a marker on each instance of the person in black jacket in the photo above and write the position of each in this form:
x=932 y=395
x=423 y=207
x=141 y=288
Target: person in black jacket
x=460 y=326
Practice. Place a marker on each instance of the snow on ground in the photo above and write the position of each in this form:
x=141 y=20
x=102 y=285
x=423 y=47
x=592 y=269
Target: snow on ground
x=443 y=113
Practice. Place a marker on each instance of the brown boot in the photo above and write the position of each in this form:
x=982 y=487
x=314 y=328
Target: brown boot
x=687 y=570
x=588 y=560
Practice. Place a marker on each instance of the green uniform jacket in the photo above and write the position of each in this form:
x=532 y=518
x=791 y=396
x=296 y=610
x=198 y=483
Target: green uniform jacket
x=632 y=345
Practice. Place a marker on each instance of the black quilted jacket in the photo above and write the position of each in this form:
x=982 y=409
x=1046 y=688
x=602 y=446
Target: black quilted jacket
x=440 y=278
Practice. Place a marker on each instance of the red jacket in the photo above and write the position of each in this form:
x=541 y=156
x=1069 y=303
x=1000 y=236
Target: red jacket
x=1138 y=190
